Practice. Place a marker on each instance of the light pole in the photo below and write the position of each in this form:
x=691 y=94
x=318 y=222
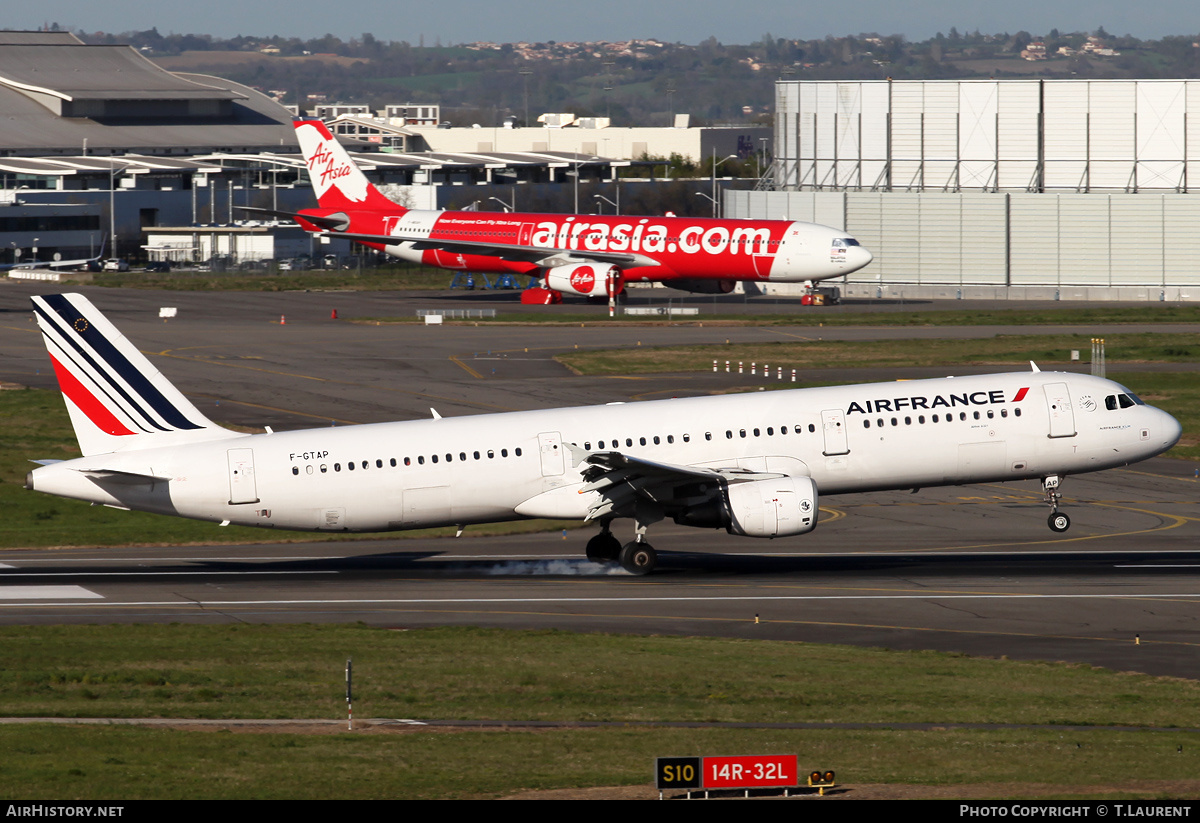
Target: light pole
x=713 y=172
x=616 y=206
x=504 y=205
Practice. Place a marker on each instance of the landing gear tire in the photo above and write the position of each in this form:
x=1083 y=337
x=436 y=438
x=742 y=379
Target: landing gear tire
x=1059 y=522
x=638 y=558
x=603 y=548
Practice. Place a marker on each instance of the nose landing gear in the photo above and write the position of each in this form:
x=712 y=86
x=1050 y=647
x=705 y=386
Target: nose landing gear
x=1057 y=521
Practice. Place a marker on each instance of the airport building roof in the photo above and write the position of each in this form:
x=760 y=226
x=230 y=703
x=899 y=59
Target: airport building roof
x=59 y=96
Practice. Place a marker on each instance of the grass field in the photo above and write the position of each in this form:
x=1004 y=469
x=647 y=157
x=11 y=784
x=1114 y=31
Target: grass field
x=244 y=671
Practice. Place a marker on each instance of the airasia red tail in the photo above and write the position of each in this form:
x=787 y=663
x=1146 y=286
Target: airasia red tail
x=588 y=255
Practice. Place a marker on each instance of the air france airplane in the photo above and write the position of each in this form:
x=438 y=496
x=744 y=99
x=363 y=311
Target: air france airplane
x=587 y=255
x=752 y=464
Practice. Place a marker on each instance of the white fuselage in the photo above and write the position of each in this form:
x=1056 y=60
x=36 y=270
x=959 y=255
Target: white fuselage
x=496 y=467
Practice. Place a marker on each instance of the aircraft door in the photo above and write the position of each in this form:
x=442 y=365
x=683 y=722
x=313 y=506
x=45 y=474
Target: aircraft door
x=833 y=425
x=551 y=450
x=1058 y=405
x=242 y=487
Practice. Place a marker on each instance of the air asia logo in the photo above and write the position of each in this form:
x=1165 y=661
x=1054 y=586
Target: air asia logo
x=322 y=162
x=938 y=401
x=645 y=236
x=583 y=279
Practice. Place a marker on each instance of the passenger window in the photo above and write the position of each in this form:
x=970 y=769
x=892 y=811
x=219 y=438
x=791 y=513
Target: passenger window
x=504 y=452
x=350 y=466
x=295 y=470
x=756 y=434
x=687 y=438
x=337 y=467
x=656 y=440
x=642 y=441
x=462 y=456
x=517 y=451
x=324 y=469
x=491 y=454
x=1017 y=412
x=433 y=457
x=476 y=455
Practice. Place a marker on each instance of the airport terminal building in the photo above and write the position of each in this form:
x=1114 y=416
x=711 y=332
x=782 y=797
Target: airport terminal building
x=1007 y=189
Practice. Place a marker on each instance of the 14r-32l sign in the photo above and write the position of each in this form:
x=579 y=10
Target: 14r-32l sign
x=740 y=772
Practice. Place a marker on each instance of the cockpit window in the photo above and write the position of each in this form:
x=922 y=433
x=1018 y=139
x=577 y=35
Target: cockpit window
x=1126 y=401
x=1110 y=402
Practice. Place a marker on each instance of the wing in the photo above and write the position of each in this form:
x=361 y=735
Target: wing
x=334 y=225
x=621 y=482
x=542 y=255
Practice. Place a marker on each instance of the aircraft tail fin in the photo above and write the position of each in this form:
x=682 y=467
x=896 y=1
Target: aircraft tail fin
x=336 y=178
x=116 y=398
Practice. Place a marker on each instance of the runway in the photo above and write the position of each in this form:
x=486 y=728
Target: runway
x=969 y=569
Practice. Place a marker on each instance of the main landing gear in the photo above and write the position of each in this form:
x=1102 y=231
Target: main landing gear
x=636 y=557
x=1057 y=521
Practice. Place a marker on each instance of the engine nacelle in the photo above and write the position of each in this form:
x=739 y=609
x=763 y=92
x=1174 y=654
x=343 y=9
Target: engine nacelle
x=699 y=286
x=587 y=279
x=762 y=508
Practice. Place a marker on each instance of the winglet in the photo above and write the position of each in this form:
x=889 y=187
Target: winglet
x=1033 y=366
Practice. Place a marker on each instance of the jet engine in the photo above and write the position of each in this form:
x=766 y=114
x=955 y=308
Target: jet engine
x=587 y=279
x=760 y=508
x=698 y=286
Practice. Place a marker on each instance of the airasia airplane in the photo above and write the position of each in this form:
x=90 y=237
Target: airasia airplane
x=587 y=255
x=750 y=464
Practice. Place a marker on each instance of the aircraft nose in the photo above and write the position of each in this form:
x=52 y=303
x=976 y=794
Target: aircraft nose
x=857 y=257
x=1171 y=428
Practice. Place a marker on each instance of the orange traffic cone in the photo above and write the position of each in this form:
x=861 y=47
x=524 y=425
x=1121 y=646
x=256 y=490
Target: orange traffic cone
x=333 y=315
x=282 y=320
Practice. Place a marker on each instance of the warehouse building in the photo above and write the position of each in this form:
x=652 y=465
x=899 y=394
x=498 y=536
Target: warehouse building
x=1013 y=189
